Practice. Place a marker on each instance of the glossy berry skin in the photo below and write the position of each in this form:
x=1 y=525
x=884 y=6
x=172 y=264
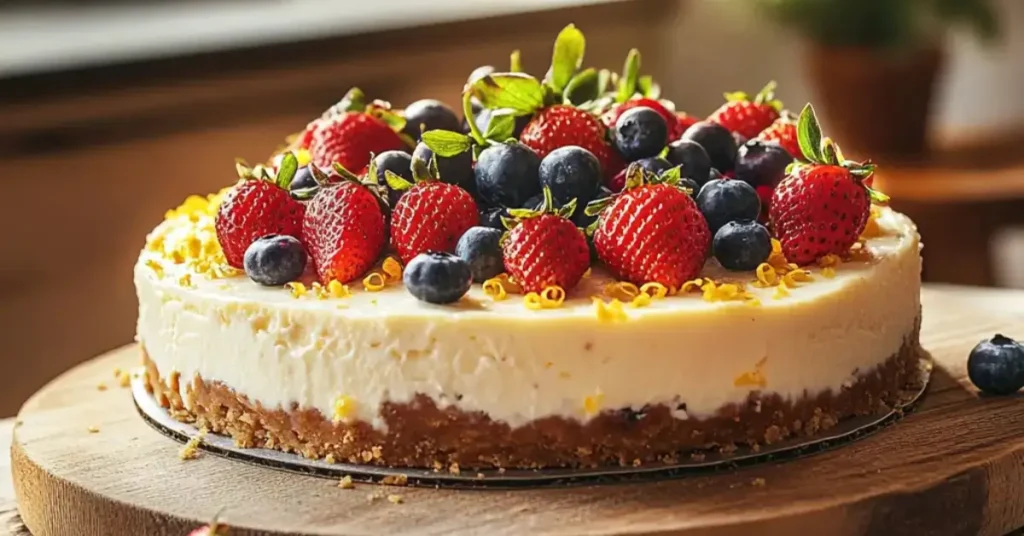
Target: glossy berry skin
x=437 y=277
x=716 y=141
x=534 y=203
x=428 y=114
x=559 y=126
x=255 y=208
x=274 y=260
x=491 y=217
x=996 y=366
x=764 y=193
x=653 y=232
x=506 y=174
x=675 y=129
x=685 y=121
x=350 y=138
x=546 y=250
x=817 y=210
x=745 y=117
x=761 y=163
x=571 y=172
x=457 y=170
x=655 y=164
x=303 y=179
x=742 y=246
x=783 y=131
x=724 y=200
x=397 y=162
x=480 y=247
x=431 y=216
x=693 y=161
x=639 y=133
x=345 y=231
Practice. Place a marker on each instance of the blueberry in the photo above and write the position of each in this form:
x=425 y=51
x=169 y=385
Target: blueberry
x=437 y=277
x=457 y=170
x=693 y=161
x=580 y=217
x=639 y=133
x=740 y=139
x=534 y=203
x=655 y=164
x=274 y=260
x=491 y=217
x=571 y=172
x=397 y=162
x=725 y=200
x=742 y=246
x=716 y=141
x=507 y=174
x=762 y=163
x=996 y=366
x=479 y=247
x=428 y=114
x=303 y=179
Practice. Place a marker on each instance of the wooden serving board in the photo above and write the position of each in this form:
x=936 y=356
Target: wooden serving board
x=953 y=466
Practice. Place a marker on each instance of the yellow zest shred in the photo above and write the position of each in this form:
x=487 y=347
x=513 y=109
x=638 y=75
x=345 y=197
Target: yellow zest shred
x=781 y=291
x=641 y=300
x=337 y=289
x=592 y=404
x=344 y=407
x=609 y=312
x=654 y=289
x=766 y=275
x=157 y=268
x=532 y=300
x=185 y=280
x=795 y=277
x=298 y=289
x=375 y=282
x=392 y=269
x=495 y=289
x=621 y=290
x=691 y=286
x=755 y=378
x=552 y=296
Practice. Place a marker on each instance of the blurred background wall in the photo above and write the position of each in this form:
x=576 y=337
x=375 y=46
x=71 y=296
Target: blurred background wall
x=112 y=113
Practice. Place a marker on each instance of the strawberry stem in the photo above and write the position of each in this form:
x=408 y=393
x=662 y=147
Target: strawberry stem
x=467 y=111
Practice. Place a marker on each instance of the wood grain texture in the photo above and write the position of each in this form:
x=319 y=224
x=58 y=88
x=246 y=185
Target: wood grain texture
x=954 y=466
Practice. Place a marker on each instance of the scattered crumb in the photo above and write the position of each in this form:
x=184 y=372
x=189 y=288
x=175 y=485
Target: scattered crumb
x=346 y=483
x=758 y=482
x=330 y=459
x=480 y=475
x=123 y=378
x=375 y=496
x=101 y=387
x=697 y=456
x=94 y=429
x=501 y=470
x=395 y=480
x=395 y=499
x=191 y=449
x=637 y=462
x=454 y=469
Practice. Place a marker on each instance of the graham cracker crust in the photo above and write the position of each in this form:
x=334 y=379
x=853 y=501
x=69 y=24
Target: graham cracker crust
x=420 y=434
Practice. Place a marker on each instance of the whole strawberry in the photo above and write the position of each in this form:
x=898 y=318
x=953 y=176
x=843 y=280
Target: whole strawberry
x=562 y=125
x=683 y=122
x=345 y=229
x=783 y=132
x=257 y=206
x=652 y=231
x=748 y=117
x=351 y=131
x=821 y=207
x=545 y=248
x=671 y=120
x=430 y=216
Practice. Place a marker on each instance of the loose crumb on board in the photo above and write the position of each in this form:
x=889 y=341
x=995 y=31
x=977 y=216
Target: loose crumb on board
x=124 y=379
x=759 y=482
x=454 y=469
x=395 y=480
x=395 y=499
x=346 y=483
x=94 y=429
x=101 y=387
x=191 y=449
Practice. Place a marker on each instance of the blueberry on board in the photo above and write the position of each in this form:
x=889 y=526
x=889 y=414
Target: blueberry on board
x=742 y=246
x=480 y=248
x=437 y=277
x=693 y=161
x=571 y=172
x=428 y=114
x=397 y=162
x=274 y=260
x=716 y=140
x=506 y=174
x=639 y=133
x=457 y=170
x=996 y=366
x=491 y=217
x=303 y=179
x=762 y=163
x=655 y=164
x=724 y=200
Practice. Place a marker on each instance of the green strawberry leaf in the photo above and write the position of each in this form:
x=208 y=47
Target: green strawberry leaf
x=501 y=125
x=395 y=182
x=568 y=208
x=595 y=207
x=523 y=213
x=736 y=96
x=829 y=152
x=634 y=176
x=508 y=223
x=648 y=87
x=877 y=197
x=319 y=176
x=589 y=231
x=583 y=87
x=808 y=135
x=515 y=64
x=566 y=57
x=671 y=175
x=630 y=76
x=767 y=96
x=518 y=91
x=604 y=81
x=420 y=171
x=345 y=174
x=304 y=194
x=432 y=169
x=353 y=101
x=394 y=121
x=447 y=143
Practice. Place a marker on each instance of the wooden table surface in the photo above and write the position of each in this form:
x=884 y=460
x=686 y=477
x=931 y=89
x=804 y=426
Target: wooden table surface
x=994 y=301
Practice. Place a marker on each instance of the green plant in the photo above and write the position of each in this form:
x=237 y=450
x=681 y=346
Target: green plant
x=882 y=23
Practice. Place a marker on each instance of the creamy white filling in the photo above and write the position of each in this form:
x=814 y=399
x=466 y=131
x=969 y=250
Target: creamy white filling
x=517 y=364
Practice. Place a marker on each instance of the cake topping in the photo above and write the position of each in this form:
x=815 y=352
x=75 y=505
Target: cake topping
x=996 y=365
x=762 y=163
x=437 y=277
x=693 y=161
x=745 y=116
x=551 y=297
x=717 y=141
x=640 y=132
x=724 y=200
x=609 y=311
x=344 y=408
x=742 y=246
x=543 y=248
x=481 y=248
x=274 y=260
x=572 y=173
x=344 y=229
x=428 y=114
x=352 y=131
x=375 y=282
x=783 y=132
x=430 y=216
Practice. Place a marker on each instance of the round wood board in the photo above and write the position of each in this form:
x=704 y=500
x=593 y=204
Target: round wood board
x=85 y=463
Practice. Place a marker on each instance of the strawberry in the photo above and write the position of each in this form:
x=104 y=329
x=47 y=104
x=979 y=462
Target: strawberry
x=351 y=131
x=783 y=132
x=652 y=231
x=345 y=229
x=430 y=216
x=544 y=248
x=748 y=117
x=258 y=205
x=821 y=207
x=674 y=131
x=561 y=125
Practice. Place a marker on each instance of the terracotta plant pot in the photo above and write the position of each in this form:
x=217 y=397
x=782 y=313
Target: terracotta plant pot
x=876 y=104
